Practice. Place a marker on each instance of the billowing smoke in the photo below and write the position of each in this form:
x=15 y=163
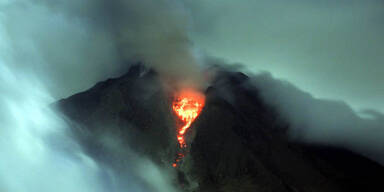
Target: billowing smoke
x=322 y=121
x=74 y=44
x=50 y=50
x=314 y=120
x=38 y=153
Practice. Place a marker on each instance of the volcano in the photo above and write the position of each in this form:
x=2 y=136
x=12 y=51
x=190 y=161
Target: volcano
x=236 y=142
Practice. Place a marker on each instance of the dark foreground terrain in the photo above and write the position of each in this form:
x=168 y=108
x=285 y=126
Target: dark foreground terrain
x=237 y=144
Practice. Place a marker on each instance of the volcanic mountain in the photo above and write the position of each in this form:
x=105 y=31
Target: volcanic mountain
x=238 y=143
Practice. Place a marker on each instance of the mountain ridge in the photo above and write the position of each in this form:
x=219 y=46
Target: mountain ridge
x=238 y=143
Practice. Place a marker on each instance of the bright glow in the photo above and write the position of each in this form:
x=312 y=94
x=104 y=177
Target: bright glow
x=187 y=106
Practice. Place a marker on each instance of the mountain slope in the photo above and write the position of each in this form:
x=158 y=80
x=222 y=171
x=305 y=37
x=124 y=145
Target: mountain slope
x=238 y=143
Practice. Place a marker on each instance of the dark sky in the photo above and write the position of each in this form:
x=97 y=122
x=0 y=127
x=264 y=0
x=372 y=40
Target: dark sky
x=331 y=48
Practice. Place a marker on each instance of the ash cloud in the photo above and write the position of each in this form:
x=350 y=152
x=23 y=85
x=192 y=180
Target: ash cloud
x=328 y=48
x=323 y=121
x=73 y=44
x=50 y=50
x=310 y=119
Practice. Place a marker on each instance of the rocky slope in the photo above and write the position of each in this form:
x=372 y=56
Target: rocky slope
x=237 y=144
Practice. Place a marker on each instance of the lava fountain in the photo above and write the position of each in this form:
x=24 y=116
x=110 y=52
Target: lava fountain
x=187 y=105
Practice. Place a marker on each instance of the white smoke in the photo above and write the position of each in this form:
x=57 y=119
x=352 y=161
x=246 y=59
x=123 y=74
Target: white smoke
x=29 y=162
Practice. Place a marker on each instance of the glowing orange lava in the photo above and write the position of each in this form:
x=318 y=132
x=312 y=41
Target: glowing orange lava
x=187 y=105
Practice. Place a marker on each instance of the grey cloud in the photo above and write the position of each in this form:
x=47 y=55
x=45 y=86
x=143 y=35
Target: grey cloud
x=39 y=154
x=73 y=44
x=332 y=49
x=329 y=122
x=54 y=49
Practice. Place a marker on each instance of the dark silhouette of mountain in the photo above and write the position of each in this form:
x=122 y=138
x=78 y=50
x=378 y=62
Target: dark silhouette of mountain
x=237 y=144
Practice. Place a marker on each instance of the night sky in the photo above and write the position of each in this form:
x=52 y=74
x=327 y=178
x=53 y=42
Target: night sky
x=332 y=49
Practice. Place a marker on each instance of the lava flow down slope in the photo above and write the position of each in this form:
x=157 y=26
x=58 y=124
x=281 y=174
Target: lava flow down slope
x=239 y=143
x=187 y=105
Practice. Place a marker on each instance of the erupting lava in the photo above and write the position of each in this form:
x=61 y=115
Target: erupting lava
x=187 y=105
